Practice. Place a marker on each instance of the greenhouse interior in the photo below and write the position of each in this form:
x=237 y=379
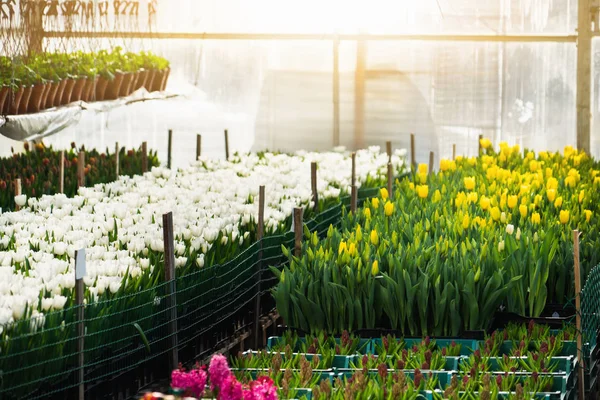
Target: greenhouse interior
x=317 y=200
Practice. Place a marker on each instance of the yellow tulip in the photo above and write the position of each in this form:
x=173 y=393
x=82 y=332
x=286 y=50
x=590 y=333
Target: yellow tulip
x=523 y=210
x=495 y=213
x=551 y=194
x=359 y=235
x=577 y=160
x=411 y=186
x=367 y=212
x=342 y=247
x=437 y=196
x=512 y=201
x=352 y=249
x=384 y=193
x=375 y=268
x=461 y=197
x=447 y=165
x=533 y=165
x=588 y=215
x=472 y=197
x=552 y=183
x=570 y=181
x=558 y=202
x=484 y=203
x=374 y=237
x=535 y=218
x=389 y=208
x=581 y=196
x=485 y=143
x=548 y=172
x=375 y=202
x=564 y=216
x=469 y=183
x=423 y=168
x=422 y=177
x=466 y=221
x=423 y=191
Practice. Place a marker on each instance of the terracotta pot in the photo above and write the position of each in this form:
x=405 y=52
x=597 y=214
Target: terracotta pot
x=150 y=79
x=53 y=88
x=127 y=78
x=141 y=79
x=35 y=100
x=100 y=90
x=157 y=82
x=134 y=81
x=89 y=89
x=78 y=89
x=24 y=104
x=114 y=87
x=4 y=91
x=11 y=106
x=68 y=92
x=165 y=79
x=62 y=85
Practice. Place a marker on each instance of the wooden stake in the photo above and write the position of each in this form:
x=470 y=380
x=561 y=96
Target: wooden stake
x=390 y=176
x=171 y=289
x=18 y=192
x=353 y=180
x=298 y=231
x=354 y=199
x=580 y=356
x=479 y=143
x=79 y=297
x=81 y=169
x=454 y=152
x=431 y=157
x=169 y=148
x=61 y=176
x=313 y=184
x=144 y=157
x=388 y=148
x=259 y=236
x=117 y=151
x=198 y=146
x=413 y=162
x=226 y=145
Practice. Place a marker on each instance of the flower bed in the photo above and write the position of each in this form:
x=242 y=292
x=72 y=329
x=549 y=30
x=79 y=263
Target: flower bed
x=447 y=250
x=39 y=170
x=29 y=85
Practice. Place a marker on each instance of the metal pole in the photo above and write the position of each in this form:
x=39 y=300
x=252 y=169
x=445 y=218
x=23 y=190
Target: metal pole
x=171 y=289
x=313 y=184
x=359 y=94
x=144 y=157
x=61 y=177
x=581 y=367
x=298 y=230
x=79 y=297
x=198 y=146
x=259 y=236
x=584 y=75
x=169 y=148
x=226 y=145
x=81 y=169
x=336 y=92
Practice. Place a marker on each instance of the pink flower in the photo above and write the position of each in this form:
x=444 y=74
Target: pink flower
x=218 y=371
x=193 y=381
x=230 y=389
x=261 y=389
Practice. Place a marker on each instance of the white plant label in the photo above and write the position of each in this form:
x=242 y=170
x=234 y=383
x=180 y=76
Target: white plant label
x=80 y=264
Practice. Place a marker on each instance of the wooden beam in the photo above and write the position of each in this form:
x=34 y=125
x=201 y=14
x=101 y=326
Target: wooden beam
x=584 y=75
x=336 y=92
x=359 y=95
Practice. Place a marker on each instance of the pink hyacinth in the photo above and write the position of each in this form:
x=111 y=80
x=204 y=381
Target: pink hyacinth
x=230 y=389
x=193 y=381
x=261 y=389
x=218 y=371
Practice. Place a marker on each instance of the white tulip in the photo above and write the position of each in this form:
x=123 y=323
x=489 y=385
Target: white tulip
x=59 y=248
x=144 y=263
x=20 y=200
x=501 y=246
x=47 y=304
x=510 y=229
x=59 y=302
x=114 y=286
x=200 y=260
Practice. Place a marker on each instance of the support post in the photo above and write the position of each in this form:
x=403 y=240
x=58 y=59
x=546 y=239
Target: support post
x=336 y=91
x=81 y=169
x=359 y=94
x=61 y=176
x=480 y=151
x=117 y=151
x=259 y=236
x=198 y=146
x=79 y=297
x=298 y=231
x=169 y=148
x=18 y=192
x=413 y=162
x=169 y=248
x=453 y=151
x=353 y=178
x=313 y=185
x=354 y=199
x=584 y=74
x=431 y=157
x=144 y=157
x=580 y=356
x=390 y=179
x=226 y=145
x=388 y=149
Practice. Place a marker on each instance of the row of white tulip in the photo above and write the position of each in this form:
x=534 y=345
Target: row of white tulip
x=120 y=223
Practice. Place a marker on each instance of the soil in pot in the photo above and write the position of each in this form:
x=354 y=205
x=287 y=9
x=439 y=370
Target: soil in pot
x=24 y=104
x=165 y=79
x=35 y=101
x=158 y=78
x=141 y=79
x=59 y=93
x=78 y=89
x=127 y=78
x=4 y=91
x=114 y=87
x=68 y=92
x=53 y=89
x=100 y=90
